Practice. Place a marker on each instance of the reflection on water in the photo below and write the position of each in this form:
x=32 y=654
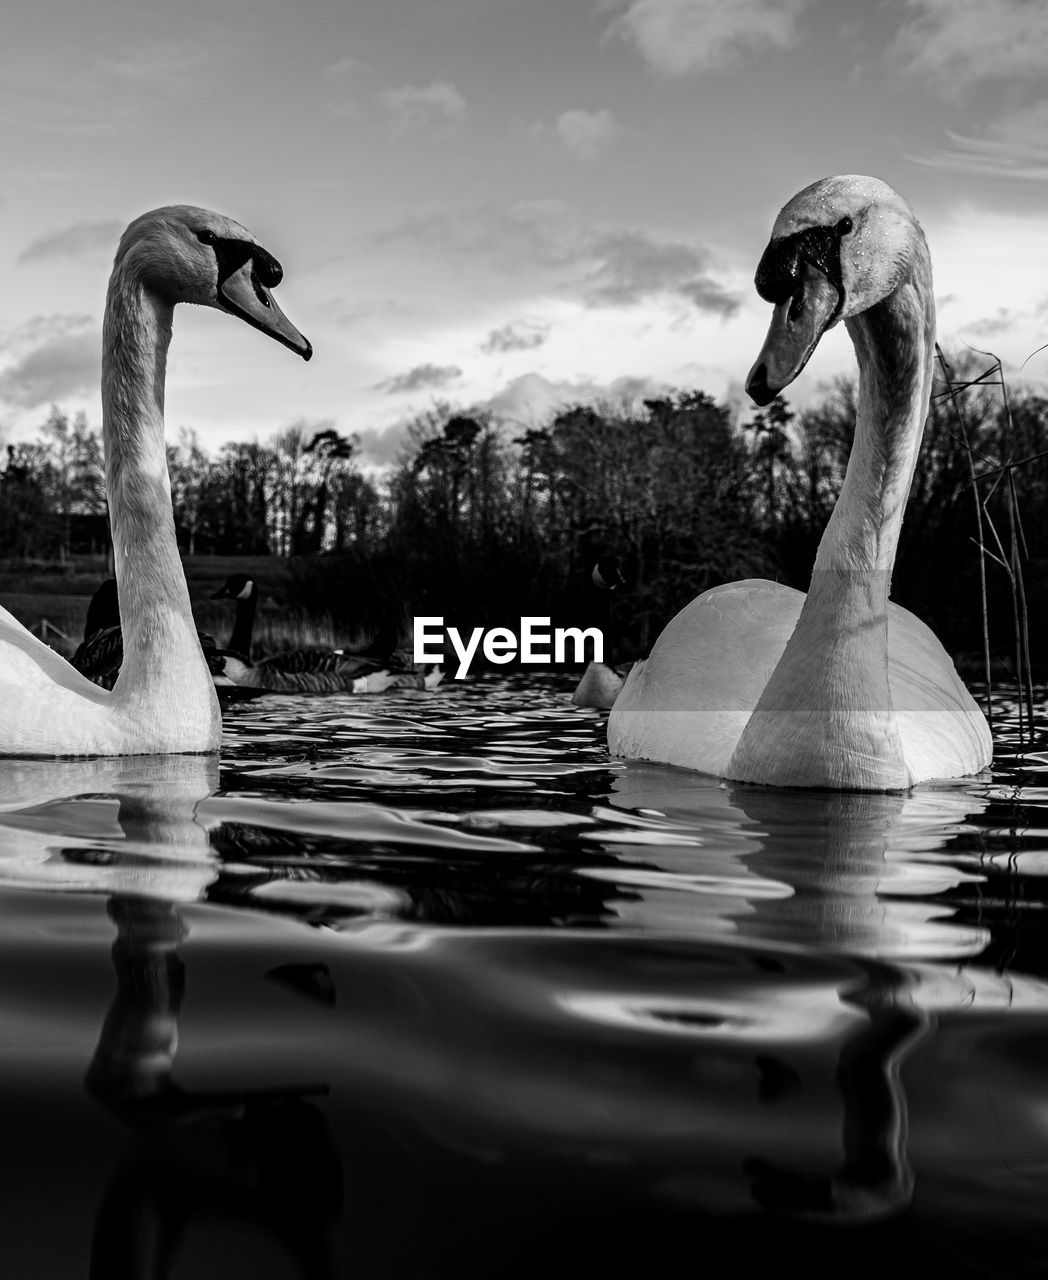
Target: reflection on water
x=261 y=1157
x=427 y=985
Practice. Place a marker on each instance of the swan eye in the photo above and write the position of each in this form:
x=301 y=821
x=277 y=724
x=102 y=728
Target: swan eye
x=207 y=237
x=844 y=226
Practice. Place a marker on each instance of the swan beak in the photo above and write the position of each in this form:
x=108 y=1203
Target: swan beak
x=244 y=294
x=797 y=324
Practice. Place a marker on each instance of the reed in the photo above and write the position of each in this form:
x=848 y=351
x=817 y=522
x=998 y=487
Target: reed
x=988 y=475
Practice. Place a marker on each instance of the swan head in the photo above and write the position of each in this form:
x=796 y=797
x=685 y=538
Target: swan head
x=837 y=248
x=238 y=586
x=186 y=254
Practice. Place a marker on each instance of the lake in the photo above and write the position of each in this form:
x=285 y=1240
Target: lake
x=426 y=985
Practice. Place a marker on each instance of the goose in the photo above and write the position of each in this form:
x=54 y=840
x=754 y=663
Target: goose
x=602 y=681
x=836 y=688
x=100 y=654
x=309 y=670
x=164 y=698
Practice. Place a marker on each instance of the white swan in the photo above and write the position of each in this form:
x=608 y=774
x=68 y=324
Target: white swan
x=838 y=688
x=164 y=699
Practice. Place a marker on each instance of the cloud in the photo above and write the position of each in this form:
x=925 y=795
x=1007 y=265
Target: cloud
x=413 y=107
x=521 y=335
x=422 y=375
x=532 y=400
x=64 y=363
x=588 y=134
x=39 y=329
x=381 y=446
x=542 y=244
x=81 y=240
x=343 y=78
x=956 y=43
x=1003 y=320
x=169 y=65
x=513 y=239
x=629 y=268
x=1013 y=146
x=678 y=36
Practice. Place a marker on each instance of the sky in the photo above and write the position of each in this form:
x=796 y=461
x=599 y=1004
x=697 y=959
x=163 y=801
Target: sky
x=511 y=204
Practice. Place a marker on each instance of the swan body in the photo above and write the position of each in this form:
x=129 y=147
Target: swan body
x=306 y=670
x=164 y=699
x=835 y=688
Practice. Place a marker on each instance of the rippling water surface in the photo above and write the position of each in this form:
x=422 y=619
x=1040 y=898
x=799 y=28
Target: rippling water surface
x=426 y=985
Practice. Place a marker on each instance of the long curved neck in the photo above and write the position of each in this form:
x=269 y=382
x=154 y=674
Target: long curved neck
x=826 y=716
x=244 y=625
x=161 y=649
x=895 y=346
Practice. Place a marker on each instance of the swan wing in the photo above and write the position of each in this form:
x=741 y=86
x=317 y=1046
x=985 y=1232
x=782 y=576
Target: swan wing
x=688 y=702
x=944 y=734
x=39 y=690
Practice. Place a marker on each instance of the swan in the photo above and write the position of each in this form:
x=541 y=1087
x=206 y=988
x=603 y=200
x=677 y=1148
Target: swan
x=308 y=670
x=164 y=699
x=837 y=688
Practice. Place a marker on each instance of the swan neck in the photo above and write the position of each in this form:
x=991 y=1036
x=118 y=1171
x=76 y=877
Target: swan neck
x=159 y=635
x=895 y=346
x=826 y=717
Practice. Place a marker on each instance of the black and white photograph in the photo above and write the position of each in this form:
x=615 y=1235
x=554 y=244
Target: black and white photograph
x=523 y=639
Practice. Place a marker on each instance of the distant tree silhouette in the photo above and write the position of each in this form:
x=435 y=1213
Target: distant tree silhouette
x=482 y=525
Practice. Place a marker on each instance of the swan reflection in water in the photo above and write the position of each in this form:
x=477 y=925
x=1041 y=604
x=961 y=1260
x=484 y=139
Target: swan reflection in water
x=856 y=874
x=759 y=1048
x=259 y=1160
x=120 y=824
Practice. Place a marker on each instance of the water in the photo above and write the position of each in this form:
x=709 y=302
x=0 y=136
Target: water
x=425 y=985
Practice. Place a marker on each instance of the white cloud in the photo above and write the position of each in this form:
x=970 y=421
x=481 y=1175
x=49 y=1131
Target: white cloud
x=588 y=134
x=413 y=107
x=547 y=248
x=678 y=36
x=420 y=377
x=64 y=363
x=520 y=335
x=987 y=262
x=38 y=329
x=343 y=79
x=1013 y=146
x=380 y=446
x=629 y=267
x=532 y=399
x=82 y=239
x=171 y=65
x=956 y=43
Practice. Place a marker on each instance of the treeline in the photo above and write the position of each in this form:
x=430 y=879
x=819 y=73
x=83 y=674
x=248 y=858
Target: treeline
x=299 y=494
x=481 y=523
